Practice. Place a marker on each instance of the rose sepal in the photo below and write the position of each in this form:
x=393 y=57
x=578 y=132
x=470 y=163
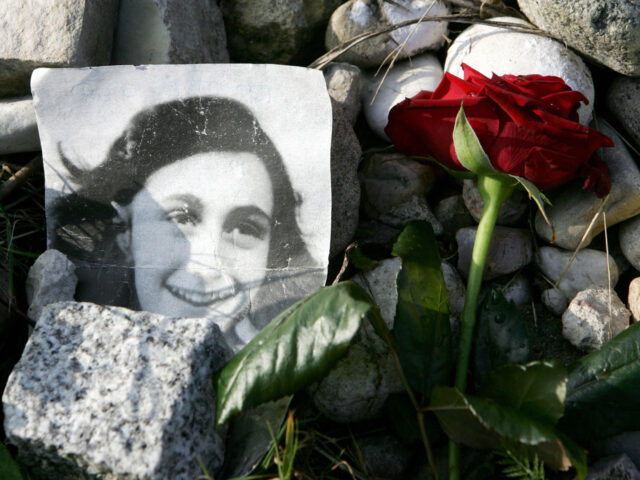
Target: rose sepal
x=537 y=196
x=473 y=157
x=463 y=174
x=469 y=150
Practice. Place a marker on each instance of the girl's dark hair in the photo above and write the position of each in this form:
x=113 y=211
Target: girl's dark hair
x=156 y=137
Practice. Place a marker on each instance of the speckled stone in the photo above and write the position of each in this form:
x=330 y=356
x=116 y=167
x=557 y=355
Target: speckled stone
x=416 y=208
x=384 y=456
x=343 y=85
x=594 y=317
x=52 y=33
x=345 y=187
x=51 y=279
x=634 y=299
x=18 y=129
x=169 y=31
x=112 y=393
x=391 y=179
x=605 y=30
x=275 y=31
x=617 y=467
x=359 y=384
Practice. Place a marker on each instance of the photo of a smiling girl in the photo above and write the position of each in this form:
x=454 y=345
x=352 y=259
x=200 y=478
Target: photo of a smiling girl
x=191 y=214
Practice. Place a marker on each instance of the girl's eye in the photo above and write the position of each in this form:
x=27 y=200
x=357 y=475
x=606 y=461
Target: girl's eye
x=183 y=216
x=245 y=234
x=246 y=227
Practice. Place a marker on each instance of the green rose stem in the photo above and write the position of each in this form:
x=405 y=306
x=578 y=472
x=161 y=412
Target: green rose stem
x=495 y=191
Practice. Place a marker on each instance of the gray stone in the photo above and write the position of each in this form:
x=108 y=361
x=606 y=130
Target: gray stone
x=612 y=243
x=374 y=231
x=509 y=251
x=588 y=269
x=18 y=129
x=52 y=33
x=381 y=285
x=416 y=208
x=108 y=392
x=605 y=30
x=456 y=289
x=629 y=238
x=510 y=212
x=490 y=49
x=405 y=80
x=345 y=187
x=355 y=17
x=453 y=215
x=572 y=208
x=618 y=467
x=623 y=101
x=634 y=298
x=358 y=386
x=594 y=317
x=169 y=31
x=518 y=290
x=555 y=300
x=384 y=456
x=391 y=179
x=627 y=443
x=51 y=279
x=283 y=31
x=343 y=84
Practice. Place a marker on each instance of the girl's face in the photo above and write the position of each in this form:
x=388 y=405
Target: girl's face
x=200 y=236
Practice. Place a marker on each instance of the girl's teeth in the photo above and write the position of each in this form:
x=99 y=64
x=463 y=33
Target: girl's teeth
x=198 y=297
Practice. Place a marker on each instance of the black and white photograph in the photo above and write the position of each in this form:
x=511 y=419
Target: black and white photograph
x=189 y=191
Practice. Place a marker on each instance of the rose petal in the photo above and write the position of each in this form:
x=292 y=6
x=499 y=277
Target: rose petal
x=453 y=87
x=596 y=175
x=527 y=125
x=547 y=168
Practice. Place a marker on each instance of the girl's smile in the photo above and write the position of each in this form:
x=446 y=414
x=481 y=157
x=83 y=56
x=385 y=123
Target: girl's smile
x=200 y=247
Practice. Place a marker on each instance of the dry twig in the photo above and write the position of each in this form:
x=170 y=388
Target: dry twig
x=20 y=177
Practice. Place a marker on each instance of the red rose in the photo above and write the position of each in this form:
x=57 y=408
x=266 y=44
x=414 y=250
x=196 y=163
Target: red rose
x=527 y=125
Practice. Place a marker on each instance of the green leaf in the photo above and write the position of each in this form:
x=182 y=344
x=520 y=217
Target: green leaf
x=249 y=439
x=359 y=260
x=603 y=390
x=475 y=421
x=421 y=330
x=481 y=422
x=297 y=348
x=501 y=336
x=538 y=197
x=537 y=390
x=468 y=148
x=402 y=418
x=9 y=469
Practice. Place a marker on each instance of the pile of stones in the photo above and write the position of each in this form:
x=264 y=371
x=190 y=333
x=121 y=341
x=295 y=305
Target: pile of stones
x=587 y=280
